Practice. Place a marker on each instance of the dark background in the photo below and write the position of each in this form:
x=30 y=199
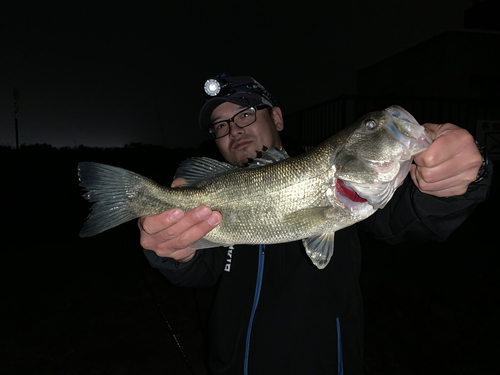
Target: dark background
x=128 y=77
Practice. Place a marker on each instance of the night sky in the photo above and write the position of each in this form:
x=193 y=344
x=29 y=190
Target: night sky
x=95 y=74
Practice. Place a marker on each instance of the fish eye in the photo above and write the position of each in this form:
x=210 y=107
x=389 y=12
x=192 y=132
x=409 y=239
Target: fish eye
x=370 y=124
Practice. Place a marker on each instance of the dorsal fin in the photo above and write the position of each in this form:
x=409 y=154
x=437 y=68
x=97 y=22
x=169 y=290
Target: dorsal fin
x=267 y=156
x=198 y=169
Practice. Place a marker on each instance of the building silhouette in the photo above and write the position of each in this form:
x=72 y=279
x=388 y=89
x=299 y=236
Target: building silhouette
x=452 y=77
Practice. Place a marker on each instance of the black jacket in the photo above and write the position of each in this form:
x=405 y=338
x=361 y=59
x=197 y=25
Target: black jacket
x=304 y=319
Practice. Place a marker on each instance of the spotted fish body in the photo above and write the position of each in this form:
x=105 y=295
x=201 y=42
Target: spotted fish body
x=276 y=199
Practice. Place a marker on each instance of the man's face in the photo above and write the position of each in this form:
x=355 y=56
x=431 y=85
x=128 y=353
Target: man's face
x=242 y=144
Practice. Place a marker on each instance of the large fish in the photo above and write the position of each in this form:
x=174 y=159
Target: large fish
x=275 y=199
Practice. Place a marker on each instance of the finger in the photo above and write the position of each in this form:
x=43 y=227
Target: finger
x=194 y=225
x=456 y=185
x=434 y=131
x=152 y=224
x=429 y=186
x=431 y=130
x=178 y=182
x=163 y=244
x=444 y=171
x=175 y=236
x=455 y=169
x=191 y=218
x=188 y=234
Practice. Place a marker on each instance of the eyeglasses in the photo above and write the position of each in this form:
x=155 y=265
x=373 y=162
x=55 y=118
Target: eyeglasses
x=242 y=119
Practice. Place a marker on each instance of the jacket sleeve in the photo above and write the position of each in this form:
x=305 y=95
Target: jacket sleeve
x=201 y=271
x=413 y=215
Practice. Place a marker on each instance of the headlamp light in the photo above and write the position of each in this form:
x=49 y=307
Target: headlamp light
x=212 y=87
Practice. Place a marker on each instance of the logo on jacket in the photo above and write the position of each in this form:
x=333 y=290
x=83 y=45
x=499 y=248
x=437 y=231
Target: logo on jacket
x=229 y=257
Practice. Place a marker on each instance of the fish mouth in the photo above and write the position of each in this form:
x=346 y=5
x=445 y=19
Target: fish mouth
x=347 y=192
x=374 y=195
x=407 y=130
x=349 y=199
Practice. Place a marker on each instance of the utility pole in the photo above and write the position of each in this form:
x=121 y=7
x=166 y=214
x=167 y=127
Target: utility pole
x=16 y=109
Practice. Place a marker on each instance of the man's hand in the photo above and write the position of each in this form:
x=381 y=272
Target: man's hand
x=449 y=165
x=170 y=233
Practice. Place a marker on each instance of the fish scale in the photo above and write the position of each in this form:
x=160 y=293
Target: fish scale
x=254 y=215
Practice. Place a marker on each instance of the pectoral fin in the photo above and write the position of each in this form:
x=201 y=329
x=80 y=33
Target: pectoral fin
x=310 y=217
x=320 y=248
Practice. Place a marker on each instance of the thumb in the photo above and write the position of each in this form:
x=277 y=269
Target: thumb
x=432 y=130
x=178 y=182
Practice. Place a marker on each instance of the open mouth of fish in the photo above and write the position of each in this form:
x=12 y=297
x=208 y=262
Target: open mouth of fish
x=349 y=199
x=348 y=193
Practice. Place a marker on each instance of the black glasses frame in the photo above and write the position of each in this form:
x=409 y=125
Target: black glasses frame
x=231 y=120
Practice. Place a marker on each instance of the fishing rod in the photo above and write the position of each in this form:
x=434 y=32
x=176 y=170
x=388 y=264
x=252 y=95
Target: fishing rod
x=167 y=323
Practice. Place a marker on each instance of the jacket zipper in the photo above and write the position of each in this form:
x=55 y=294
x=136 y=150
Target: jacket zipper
x=260 y=272
x=340 y=359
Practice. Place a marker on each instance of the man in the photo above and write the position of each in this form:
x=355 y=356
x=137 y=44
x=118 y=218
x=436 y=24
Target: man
x=274 y=312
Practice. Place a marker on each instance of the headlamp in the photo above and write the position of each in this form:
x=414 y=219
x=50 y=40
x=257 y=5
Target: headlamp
x=242 y=90
x=212 y=87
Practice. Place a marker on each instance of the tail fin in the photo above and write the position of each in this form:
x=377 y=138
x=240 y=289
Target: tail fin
x=112 y=191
